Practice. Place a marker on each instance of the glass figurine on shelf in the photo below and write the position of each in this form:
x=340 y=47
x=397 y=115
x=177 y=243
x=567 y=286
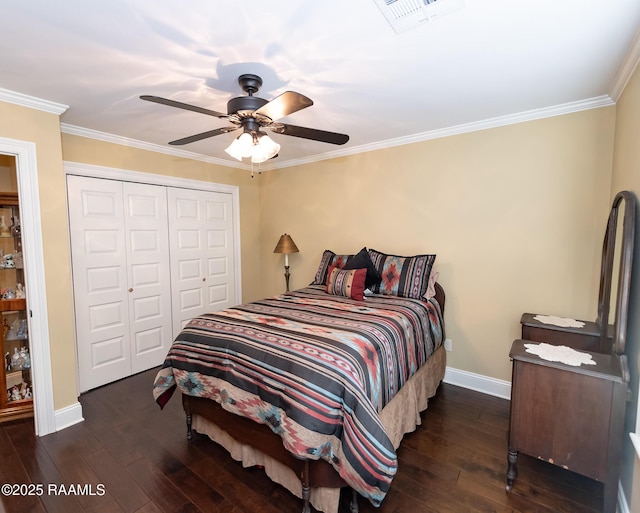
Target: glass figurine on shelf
x=15 y=393
x=22 y=328
x=8 y=261
x=17 y=360
x=15 y=226
x=19 y=291
x=11 y=333
x=24 y=354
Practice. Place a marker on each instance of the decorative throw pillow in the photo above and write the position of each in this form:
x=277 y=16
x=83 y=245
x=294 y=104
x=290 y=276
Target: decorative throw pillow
x=403 y=276
x=431 y=288
x=328 y=259
x=349 y=283
x=363 y=260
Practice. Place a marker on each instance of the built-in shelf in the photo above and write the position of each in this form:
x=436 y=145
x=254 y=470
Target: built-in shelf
x=16 y=395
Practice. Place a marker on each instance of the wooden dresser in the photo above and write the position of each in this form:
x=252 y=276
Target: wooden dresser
x=585 y=338
x=569 y=416
x=573 y=415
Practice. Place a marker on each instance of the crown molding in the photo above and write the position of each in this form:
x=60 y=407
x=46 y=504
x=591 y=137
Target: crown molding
x=135 y=143
x=629 y=65
x=511 y=119
x=625 y=72
x=32 y=102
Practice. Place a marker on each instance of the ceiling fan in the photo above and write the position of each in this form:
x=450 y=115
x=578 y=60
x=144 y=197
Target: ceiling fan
x=252 y=113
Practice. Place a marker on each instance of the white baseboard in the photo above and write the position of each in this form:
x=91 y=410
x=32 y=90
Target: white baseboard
x=478 y=382
x=68 y=416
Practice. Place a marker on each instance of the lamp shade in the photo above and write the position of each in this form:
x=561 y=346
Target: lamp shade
x=265 y=149
x=241 y=146
x=286 y=245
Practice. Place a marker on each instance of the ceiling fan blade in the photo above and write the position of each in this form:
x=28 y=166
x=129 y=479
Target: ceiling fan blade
x=283 y=105
x=180 y=105
x=203 y=135
x=309 y=133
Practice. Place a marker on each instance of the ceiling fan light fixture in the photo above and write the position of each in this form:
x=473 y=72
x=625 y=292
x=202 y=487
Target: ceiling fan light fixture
x=241 y=146
x=258 y=146
x=264 y=149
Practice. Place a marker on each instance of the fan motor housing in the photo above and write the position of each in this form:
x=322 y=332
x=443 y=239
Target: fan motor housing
x=245 y=104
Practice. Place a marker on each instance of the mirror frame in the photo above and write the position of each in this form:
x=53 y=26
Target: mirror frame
x=624 y=272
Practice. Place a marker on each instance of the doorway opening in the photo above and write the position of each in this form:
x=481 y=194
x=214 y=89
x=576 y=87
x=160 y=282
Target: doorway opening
x=16 y=398
x=23 y=154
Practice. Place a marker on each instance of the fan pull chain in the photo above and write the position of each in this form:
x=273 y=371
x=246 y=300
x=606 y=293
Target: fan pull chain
x=259 y=170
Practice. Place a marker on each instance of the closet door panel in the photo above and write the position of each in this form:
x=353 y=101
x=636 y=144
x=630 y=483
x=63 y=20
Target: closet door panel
x=219 y=226
x=200 y=233
x=99 y=280
x=147 y=246
x=186 y=251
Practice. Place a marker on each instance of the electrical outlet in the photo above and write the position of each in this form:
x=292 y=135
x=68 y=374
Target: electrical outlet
x=448 y=344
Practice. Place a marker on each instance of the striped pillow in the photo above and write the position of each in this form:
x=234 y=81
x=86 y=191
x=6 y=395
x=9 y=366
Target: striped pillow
x=349 y=283
x=328 y=259
x=402 y=276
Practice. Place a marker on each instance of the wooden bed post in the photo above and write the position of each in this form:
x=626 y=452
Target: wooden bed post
x=306 y=490
x=189 y=430
x=187 y=410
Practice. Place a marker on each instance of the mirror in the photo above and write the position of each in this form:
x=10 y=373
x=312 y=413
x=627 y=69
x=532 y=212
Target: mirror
x=615 y=274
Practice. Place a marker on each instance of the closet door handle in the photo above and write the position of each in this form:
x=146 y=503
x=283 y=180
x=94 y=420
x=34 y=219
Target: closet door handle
x=130 y=290
x=204 y=279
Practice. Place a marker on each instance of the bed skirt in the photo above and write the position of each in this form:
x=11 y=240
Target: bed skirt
x=399 y=417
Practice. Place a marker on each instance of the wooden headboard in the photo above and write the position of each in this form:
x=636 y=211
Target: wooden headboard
x=440 y=296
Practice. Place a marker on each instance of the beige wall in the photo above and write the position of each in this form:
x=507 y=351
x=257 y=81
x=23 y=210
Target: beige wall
x=43 y=129
x=515 y=214
x=626 y=176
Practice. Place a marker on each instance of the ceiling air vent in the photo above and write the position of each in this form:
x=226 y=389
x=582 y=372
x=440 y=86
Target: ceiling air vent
x=406 y=14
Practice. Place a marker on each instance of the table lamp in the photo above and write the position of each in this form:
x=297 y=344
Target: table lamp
x=286 y=245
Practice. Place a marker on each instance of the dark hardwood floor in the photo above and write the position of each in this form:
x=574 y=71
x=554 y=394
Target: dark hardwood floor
x=128 y=456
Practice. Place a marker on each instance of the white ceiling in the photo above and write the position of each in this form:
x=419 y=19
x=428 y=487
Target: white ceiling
x=491 y=62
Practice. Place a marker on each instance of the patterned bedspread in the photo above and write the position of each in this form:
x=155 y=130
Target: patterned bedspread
x=316 y=368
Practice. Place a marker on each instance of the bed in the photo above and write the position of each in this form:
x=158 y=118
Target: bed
x=320 y=384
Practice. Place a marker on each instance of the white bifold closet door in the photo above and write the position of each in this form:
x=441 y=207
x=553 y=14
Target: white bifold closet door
x=202 y=253
x=121 y=277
